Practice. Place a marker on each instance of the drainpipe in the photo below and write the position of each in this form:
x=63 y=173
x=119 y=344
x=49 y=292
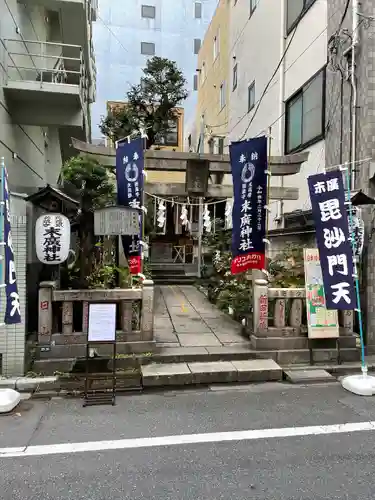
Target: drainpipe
x=281 y=138
x=355 y=42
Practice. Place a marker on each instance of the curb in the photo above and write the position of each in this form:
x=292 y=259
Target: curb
x=30 y=384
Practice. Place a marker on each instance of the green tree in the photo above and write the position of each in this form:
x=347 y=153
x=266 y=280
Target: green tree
x=96 y=185
x=150 y=104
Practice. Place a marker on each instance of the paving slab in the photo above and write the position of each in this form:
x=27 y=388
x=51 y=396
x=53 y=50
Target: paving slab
x=257 y=370
x=198 y=339
x=180 y=354
x=213 y=372
x=308 y=376
x=161 y=336
x=229 y=337
x=159 y=374
x=234 y=351
x=191 y=327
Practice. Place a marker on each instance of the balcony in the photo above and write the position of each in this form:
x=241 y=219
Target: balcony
x=45 y=83
x=89 y=6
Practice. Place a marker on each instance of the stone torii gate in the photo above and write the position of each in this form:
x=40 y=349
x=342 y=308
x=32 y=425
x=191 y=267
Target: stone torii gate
x=174 y=161
x=217 y=166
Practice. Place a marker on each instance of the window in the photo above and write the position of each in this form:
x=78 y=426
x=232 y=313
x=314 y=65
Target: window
x=216 y=46
x=147 y=49
x=198 y=10
x=222 y=95
x=295 y=10
x=305 y=114
x=169 y=138
x=250 y=96
x=197 y=45
x=148 y=11
x=253 y=6
x=235 y=71
x=220 y=146
x=195 y=82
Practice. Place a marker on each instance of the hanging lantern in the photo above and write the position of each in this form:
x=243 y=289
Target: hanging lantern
x=207 y=219
x=184 y=216
x=160 y=216
x=228 y=213
x=52 y=238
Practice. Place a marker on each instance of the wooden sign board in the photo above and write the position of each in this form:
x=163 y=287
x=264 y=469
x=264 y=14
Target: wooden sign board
x=321 y=322
x=116 y=221
x=197 y=173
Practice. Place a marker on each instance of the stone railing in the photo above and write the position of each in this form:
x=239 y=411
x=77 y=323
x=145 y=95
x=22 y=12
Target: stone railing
x=282 y=308
x=135 y=304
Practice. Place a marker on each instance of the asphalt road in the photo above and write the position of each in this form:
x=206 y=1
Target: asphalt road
x=334 y=465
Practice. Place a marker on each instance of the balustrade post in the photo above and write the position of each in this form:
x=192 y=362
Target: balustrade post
x=147 y=311
x=126 y=310
x=67 y=318
x=85 y=317
x=45 y=315
x=260 y=306
x=295 y=316
x=279 y=313
x=347 y=319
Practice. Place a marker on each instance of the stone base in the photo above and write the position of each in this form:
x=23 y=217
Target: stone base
x=177 y=374
x=300 y=342
x=302 y=356
x=79 y=350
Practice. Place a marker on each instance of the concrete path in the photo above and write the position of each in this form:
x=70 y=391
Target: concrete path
x=185 y=318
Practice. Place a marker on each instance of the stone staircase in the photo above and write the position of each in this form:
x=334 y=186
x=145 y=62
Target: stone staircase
x=171 y=274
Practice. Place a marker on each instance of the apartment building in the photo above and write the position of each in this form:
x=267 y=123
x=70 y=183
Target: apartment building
x=125 y=36
x=47 y=75
x=278 y=56
x=208 y=131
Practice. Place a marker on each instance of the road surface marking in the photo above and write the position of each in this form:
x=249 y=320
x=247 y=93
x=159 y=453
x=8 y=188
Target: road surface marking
x=186 y=439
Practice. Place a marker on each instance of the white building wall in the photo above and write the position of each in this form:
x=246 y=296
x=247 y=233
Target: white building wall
x=257 y=44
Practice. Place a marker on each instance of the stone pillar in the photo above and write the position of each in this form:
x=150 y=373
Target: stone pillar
x=279 y=313
x=347 y=319
x=45 y=316
x=67 y=318
x=260 y=307
x=147 y=313
x=126 y=311
x=295 y=315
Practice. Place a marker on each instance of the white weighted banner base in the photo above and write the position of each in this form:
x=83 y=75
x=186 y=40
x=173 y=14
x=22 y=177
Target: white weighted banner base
x=9 y=399
x=362 y=385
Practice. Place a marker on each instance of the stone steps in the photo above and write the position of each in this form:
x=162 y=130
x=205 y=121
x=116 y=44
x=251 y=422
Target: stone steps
x=180 y=374
x=79 y=350
x=299 y=342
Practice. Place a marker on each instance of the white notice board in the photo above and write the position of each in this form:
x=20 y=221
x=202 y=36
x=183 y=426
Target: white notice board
x=102 y=323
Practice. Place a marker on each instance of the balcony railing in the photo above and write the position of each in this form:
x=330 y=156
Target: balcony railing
x=45 y=63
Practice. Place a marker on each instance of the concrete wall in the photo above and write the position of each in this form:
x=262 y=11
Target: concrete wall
x=257 y=46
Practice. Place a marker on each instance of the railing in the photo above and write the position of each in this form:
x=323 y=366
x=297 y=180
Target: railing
x=44 y=62
x=58 y=311
x=283 y=308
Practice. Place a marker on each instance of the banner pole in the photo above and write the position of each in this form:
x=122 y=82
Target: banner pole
x=267 y=242
x=356 y=277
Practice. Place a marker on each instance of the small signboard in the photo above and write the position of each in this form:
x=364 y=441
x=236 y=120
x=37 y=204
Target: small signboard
x=102 y=323
x=321 y=322
x=116 y=221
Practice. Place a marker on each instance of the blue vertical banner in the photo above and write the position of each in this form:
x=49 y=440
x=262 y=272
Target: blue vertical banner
x=129 y=175
x=12 y=308
x=327 y=194
x=248 y=161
